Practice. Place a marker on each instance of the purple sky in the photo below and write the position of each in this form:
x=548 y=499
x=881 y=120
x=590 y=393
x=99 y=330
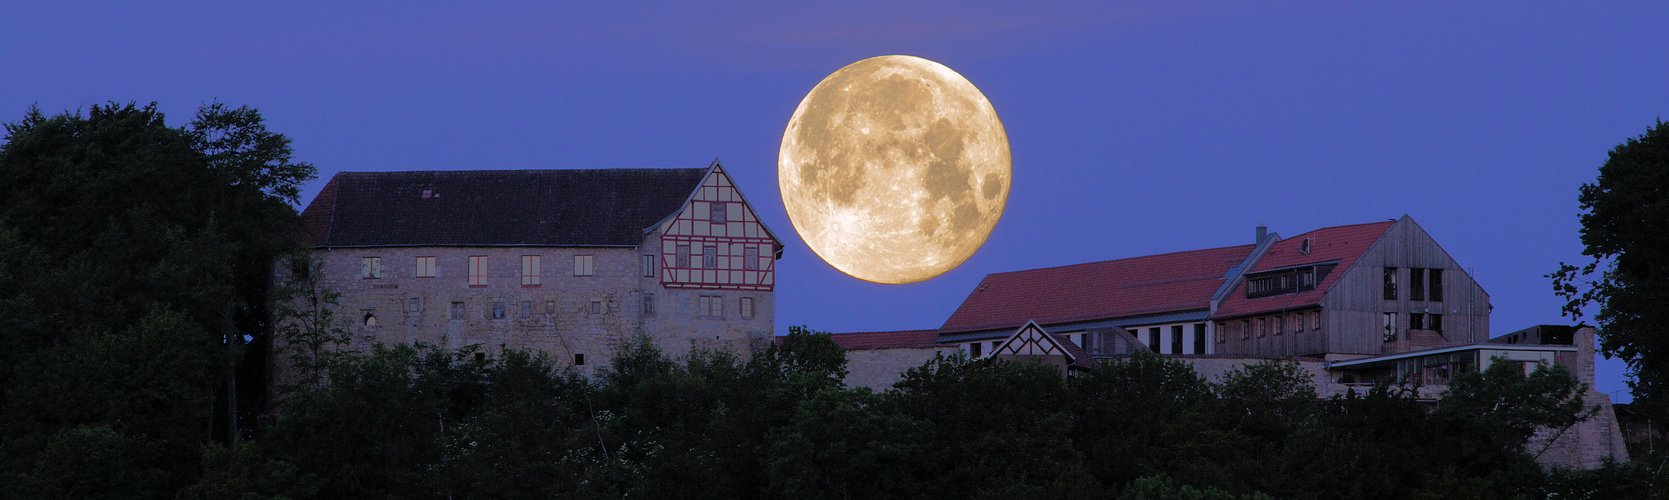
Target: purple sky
x=1135 y=129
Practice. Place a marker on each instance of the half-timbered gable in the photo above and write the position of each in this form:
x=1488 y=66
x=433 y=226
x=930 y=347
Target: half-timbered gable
x=716 y=241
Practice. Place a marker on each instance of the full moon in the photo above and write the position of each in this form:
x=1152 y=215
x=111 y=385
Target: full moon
x=894 y=169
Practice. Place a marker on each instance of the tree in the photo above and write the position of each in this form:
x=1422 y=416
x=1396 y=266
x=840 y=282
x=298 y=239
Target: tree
x=113 y=225
x=1625 y=228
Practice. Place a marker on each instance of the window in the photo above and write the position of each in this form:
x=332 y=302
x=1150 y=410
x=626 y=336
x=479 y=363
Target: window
x=683 y=260
x=715 y=212
x=1263 y=327
x=596 y=307
x=370 y=267
x=1176 y=339
x=1390 y=283
x=1390 y=326
x=648 y=305
x=1199 y=338
x=478 y=271
x=480 y=356
x=457 y=310
x=746 y=306
x=579 y=359
x=582 y=265
x=414 y=305
x=1306 y=278
x=1436 y=283
x=550 y=307
x=1416 y=321
x=498 y=309
x=1298 y=319
x=1245 y=329
x=1153 y=338
x=710 y=306
x=425 y=267
x=530 y=270
x=1416 y=285
x=527 y=309
x=1220 y=327
x=1315 y=319
x=974 y=349
x=1280 y=324
x=1304 y=246
x=1434 y=322
x=750 y=258
x=709 y=257
x=648 y=265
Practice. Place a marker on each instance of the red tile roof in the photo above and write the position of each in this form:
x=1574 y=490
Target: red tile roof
x=886 y=340
x=1344 y=244
x=1180 y=281
x=1080 y=357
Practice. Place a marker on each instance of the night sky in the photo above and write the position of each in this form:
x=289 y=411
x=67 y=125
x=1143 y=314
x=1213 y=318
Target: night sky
x=1136 y=129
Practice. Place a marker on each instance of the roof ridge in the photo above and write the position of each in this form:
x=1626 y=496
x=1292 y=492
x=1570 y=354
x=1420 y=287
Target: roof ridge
x=1120 y=259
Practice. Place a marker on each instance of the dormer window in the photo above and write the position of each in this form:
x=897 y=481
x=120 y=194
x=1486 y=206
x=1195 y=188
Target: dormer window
x=1284 y=281
x=1304 y=246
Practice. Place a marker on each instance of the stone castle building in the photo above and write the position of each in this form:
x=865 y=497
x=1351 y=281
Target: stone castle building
x=569 y=262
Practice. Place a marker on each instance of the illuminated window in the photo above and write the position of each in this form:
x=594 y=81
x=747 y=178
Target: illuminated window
x=370 y=267
x=478 y=271
x=750 y=258
x=530 y=270
x=582 y=265
x=425 y=267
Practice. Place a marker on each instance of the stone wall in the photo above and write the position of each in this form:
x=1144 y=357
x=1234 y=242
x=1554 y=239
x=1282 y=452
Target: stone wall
x=564 y=315
x=878 y=369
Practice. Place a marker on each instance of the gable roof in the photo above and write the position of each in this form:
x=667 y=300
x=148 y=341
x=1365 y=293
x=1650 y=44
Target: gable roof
x=602 y=207
x=887 y=340
x=1033 y=340
x=1181 y=281
x=1342 y=244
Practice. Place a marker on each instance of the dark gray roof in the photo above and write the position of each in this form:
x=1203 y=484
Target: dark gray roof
x=610 y=207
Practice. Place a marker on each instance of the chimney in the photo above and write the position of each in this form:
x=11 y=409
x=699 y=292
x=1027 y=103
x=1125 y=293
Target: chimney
x=1263 y=232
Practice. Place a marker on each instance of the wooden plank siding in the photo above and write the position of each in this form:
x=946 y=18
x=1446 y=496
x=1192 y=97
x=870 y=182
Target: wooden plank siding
x=1355 y=305
x=1288 y=342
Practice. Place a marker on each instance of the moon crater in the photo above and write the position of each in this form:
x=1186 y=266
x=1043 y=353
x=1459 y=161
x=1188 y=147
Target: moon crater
x=894 y=169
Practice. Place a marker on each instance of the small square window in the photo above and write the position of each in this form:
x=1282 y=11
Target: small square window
x=457 y=310
x=710 y=257
x=414 y=305
x=683 y=258
x=746 y=307
x=579 y=359
x=750 y=258
x=550 y=307
x=370 y=267
x=648 y=265
x=596 y=307
x=425 y=267
x=582 y=265
x=480 y=357
x=498 y=309
x=530 y=270
x=715 y=211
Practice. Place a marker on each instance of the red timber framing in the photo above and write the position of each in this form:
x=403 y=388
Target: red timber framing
x=737 y=237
